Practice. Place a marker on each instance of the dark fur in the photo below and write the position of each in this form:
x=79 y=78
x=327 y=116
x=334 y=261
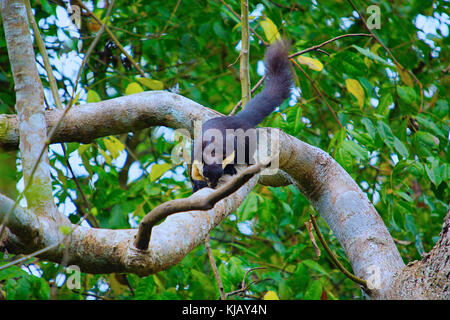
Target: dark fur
x=276 y=89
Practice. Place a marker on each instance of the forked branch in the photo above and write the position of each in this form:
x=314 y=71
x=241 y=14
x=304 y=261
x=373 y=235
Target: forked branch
x=197 y=201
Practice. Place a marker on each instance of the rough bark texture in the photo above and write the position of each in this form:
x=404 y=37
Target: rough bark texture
x=30 y=108
x=330 y=189
x=428 y=278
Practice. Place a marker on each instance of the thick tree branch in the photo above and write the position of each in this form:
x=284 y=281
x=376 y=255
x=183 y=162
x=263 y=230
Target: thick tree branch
x=29 y=107
x=331 y=190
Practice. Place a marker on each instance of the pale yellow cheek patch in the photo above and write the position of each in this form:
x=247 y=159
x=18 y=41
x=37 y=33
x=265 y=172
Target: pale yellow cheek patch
x=197 y=171
x=228 y=160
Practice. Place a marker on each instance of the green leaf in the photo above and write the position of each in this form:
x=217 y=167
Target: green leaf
x=425 y=143
x=48 y=8
x=355 y=150
x=427 y=123
x=383 y=106
x=11 y=272
x=301 y=277
x=369 y=127
x=391 y=140
x=250 y=206
x=400 y=147
x=407 y=94
x=314 y=291
x=146 y=289
x=114 y=146
x=240 y=247
x=313 y=265
x=441 y=108
x=92 y=96
x=344 y=159
x=158 y=170
x=106 y=156
x=369 y=54
x=82 y=148
x=434 y=171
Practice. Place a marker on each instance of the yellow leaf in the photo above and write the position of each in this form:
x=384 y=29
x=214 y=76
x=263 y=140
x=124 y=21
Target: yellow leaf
x=367 y=62
x=236 y=26
x=158 y=282
x=65 y=230
x=313 y=64
x=106 y=156
x=75 y=100
x=93 y=25
x=117 y=283
x=82 y=148
x=92 y=96
x=355 y=89
x=158 y=170
x=375 y=47
x=132 y=88
x=271 y=295
x=151 y=84
x=270 y=30
x=114 y=146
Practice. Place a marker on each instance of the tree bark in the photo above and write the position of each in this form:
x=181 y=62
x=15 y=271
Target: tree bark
x=428 y=278
x=30 y=109
x=325 y=183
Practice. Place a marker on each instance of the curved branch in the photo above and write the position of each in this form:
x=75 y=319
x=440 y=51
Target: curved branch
x=331 y=190
x=193 y=202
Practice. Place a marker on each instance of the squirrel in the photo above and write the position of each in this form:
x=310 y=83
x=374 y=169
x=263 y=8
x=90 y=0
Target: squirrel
x=213 y=165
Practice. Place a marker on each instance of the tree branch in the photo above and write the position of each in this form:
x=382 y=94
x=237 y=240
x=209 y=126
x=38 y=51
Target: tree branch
x=331 y=190
x=29 y=107
x=196 y=201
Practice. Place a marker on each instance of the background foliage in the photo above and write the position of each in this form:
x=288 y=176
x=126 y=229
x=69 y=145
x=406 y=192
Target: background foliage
x=396 y=149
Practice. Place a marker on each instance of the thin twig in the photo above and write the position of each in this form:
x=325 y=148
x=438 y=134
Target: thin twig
x=319 y=93
x=212 y=261
x=313 y=48
x=248 y=272
x=243 y=289
x=257 y=85
x=113 y=38
x=245 y=55
x=238 y=17
x=90 y=218
x=170 y=18
x=54 y=89
x=58 y=123
x=43 y=51
x=309 y=228
x=389 y=52
x=333 y=257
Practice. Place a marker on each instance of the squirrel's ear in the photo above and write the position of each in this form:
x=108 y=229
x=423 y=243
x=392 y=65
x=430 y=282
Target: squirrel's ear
x=228 y=160
x=197 y=171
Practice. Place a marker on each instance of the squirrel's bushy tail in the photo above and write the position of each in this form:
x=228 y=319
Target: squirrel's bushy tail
x=277 y=85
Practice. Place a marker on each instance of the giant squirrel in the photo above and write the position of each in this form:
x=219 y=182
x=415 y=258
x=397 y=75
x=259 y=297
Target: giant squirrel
x=208 y=168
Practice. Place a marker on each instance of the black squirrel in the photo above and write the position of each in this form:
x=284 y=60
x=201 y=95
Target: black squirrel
x=207 y=171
